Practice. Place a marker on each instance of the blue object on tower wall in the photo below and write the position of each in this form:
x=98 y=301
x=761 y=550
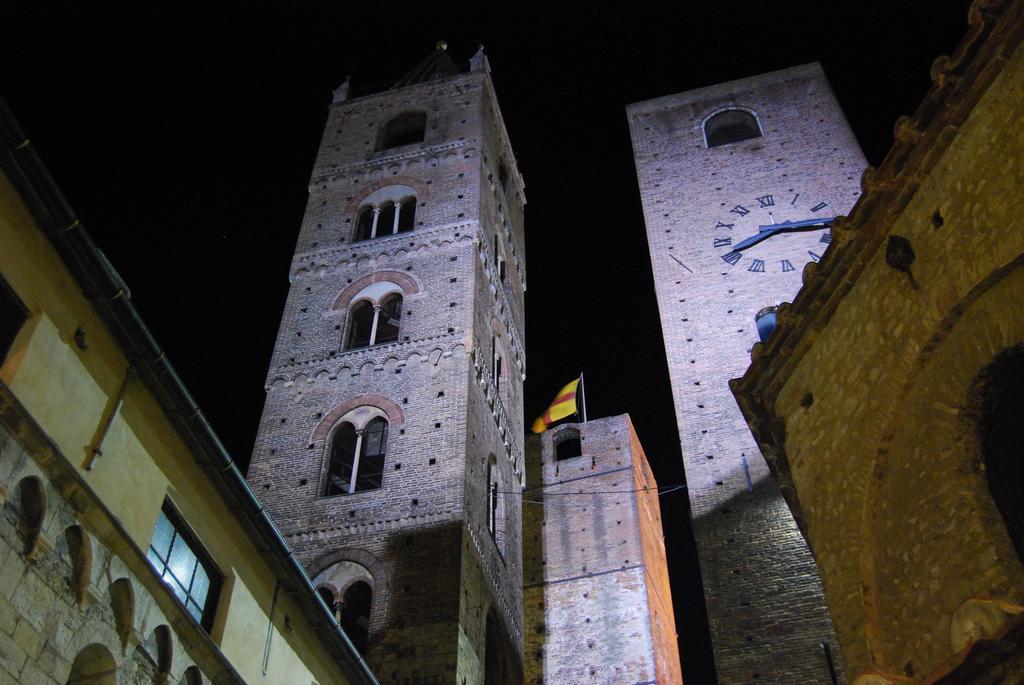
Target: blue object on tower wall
x=765 y=320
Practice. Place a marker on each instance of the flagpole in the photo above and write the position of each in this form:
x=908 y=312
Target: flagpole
x=583 y=397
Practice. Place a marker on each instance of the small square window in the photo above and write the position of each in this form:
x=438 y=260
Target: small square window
x=185 y=566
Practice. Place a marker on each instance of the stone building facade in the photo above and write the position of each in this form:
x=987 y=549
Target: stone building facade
x=131 y=548
x=596 y=589
x=390 y=450
x=721 y=170
x=889 y=399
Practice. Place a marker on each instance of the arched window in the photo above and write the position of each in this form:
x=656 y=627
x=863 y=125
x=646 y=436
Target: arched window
x=375 y=322
x=347 y=587
x=730 y=126
x=1001 y=431
x=387 y=211
x=355 y=613
x=357 y=458
x=365 y=223
x=405 y=129
x=568 y=445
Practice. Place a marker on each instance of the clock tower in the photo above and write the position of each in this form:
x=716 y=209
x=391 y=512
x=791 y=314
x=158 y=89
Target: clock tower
x=739 y=183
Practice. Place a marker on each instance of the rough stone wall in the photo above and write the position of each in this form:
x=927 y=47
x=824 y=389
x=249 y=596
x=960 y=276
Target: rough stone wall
x=599 y=608
x=886 y=460
x=765 y=605
x=447 y=411
x=48 y=613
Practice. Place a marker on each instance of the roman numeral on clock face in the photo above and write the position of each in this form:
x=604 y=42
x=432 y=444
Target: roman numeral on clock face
x=787 y=266
x=739 y=209
x=721 y=225
x=820 y=206
x=765 y=201
x=757 y=266
x=722 y=242
x=732 y=258
x=826 y=237
x=815 y=257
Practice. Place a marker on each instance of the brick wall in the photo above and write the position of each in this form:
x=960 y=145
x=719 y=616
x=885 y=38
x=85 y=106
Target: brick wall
x=436 y=567
x=598 y=602
x=765 y=604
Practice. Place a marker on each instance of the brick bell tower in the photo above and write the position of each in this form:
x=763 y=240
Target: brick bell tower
x=393 y=424
x=740 y=182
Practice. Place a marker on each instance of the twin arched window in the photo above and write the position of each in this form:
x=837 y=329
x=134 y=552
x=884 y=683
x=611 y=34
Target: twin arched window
x=356 y=461
x=731 y=126
x=374 y=322
x=387 y=216
x=347 y=589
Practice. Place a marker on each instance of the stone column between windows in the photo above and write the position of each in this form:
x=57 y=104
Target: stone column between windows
x=355 y=460
x=373 y=228
x=373 y=326
x=398 y=213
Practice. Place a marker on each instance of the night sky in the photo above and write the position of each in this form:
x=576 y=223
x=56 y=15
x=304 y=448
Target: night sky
x=184 y=136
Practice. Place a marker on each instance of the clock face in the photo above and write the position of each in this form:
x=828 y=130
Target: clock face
x=773 y=232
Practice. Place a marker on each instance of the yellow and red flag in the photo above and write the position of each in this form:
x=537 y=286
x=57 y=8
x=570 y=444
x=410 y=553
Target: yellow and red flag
x=563 y=405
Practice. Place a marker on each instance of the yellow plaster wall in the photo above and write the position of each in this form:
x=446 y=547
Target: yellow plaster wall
x=66 y=389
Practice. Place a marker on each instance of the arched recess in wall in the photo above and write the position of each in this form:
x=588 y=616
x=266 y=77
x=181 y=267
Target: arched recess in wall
x=79 y=549
x=93 y=665
x=935 y=422
x=192 y=676
x=496 y=666
x=1000 y=424
x=730 y=126
x=122 y=603
x=31 y=512
x=406 y=128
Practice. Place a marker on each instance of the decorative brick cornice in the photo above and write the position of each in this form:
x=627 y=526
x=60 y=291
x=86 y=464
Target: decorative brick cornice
x=430 y=349
x=330 y=260
x=390 y=165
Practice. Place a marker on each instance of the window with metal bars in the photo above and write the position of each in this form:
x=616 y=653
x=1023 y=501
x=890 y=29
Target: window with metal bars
x=185 y=566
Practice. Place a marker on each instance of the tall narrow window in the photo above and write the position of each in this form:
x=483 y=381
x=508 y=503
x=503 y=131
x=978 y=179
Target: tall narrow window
x=343 y=458
x=731 y=126
x=407 y=215
x=388 y=320
x=361 y=328
x=357 y=458
x=492 y=498
x=12 y=316
x=404 y=129
x=364 y=224
x=355 y=613
x=370 y=473
x=184 y=566
x=386 y=221
x=503 y=176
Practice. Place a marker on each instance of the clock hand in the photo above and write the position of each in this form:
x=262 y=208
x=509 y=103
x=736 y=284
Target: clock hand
x=765 y=232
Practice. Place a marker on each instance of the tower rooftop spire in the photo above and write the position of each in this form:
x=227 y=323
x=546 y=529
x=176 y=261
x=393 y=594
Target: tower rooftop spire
x=437 y=65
